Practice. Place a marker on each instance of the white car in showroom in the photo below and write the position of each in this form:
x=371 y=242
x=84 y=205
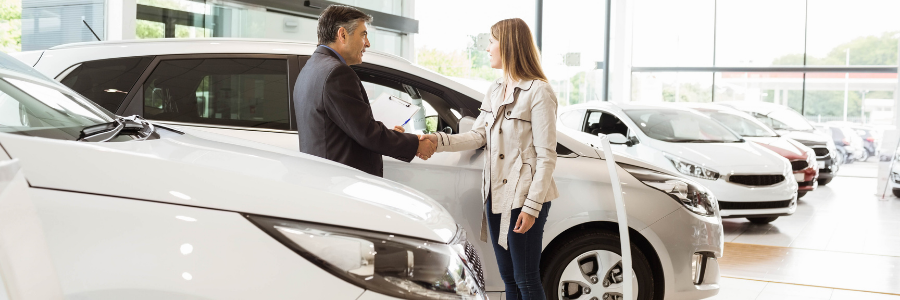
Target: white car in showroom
x=131 y=210
x=243 y=88
x=749 y=180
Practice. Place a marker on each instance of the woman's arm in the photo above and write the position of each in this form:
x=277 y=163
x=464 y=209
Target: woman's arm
x=463 y=141
x=543 y=129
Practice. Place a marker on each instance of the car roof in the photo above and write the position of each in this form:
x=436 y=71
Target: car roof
x=89 y=51
x=763 y=108
x=617 y=106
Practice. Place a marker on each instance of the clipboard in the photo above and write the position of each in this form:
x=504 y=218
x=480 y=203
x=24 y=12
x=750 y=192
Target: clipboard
x=392 y=111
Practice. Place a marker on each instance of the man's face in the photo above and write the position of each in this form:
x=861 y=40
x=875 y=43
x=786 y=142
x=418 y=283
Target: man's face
x=356 y=44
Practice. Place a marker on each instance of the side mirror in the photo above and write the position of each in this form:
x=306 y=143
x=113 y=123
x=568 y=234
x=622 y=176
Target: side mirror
x=618 y=139
x=466 y=124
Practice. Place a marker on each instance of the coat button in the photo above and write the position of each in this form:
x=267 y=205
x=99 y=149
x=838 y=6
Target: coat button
x=501 y=156
x=509 y=112
x=501 y=130
x=504 y=180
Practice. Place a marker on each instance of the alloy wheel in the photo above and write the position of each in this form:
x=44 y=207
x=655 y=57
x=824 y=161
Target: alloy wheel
x=594 y=275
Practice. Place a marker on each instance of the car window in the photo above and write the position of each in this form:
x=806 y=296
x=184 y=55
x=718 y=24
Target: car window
x=741 y=123
x=672 y=125
x=573 y=119
x=244 y=92
x=33 y=109
x=415 y=125
x=786 y=119
x=602 y=122
x=106 y=82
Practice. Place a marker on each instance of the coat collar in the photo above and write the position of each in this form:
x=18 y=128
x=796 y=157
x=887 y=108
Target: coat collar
x=326 y=51
x=523 y=85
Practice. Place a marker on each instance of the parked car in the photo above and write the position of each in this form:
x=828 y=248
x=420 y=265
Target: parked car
x=870 y=142
x=802 y=158
x=136 y=210
x=844 y=141
x=787 y=122
x=750 y=180
x=894 y=179
x=243 y=88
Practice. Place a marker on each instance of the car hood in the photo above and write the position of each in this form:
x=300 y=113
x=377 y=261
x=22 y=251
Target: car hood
x=783 y=146
x=726 y=158
x=582 y=149
x=807 y=138
x=202 y=169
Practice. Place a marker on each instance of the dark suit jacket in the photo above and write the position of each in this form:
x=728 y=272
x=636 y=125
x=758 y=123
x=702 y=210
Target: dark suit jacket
x=334 y=119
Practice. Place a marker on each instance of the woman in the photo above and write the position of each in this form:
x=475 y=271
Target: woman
x=517 y=127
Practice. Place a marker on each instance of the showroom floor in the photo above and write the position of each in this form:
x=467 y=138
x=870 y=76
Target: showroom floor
x=842 y=243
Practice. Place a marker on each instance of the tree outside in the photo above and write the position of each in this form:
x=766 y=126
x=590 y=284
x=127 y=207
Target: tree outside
x=10 y=26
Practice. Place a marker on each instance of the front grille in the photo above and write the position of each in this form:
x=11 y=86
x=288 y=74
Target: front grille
x=474 y=262
x=754 y=205
x=820 y=151
x=756 y=180
x=806 y=183
x=798 y=165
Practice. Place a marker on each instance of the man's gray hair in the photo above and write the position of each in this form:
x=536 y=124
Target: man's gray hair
x=336 y=16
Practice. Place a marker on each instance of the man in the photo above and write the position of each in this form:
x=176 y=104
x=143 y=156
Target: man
x=334 y=119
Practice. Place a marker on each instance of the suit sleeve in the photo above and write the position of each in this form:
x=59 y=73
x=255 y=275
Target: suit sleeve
x=346 y=106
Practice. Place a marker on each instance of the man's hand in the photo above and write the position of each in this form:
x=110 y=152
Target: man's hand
x=426 y=148
x=524 y=223
x=399 y=129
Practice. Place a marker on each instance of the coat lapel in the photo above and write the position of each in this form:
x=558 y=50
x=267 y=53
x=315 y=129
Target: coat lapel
x=522 y=86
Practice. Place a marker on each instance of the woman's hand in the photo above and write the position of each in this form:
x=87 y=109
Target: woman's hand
x=524 y=223
x=399 y=129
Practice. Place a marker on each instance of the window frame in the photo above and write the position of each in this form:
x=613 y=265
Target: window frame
x=68 y=71
x=629 y=134
x=134 y=102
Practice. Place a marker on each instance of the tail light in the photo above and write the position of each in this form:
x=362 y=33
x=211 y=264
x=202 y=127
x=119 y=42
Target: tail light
x=870 y=139
x=846 y=142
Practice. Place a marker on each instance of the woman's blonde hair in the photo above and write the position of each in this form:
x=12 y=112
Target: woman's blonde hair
x=518 y=54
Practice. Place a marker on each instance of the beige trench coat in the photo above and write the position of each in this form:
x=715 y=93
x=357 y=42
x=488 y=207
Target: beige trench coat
x=519 y=136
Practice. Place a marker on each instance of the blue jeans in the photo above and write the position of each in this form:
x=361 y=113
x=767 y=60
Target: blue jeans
x=520 y=266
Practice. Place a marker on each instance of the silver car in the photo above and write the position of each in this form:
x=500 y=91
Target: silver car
x=243 y=88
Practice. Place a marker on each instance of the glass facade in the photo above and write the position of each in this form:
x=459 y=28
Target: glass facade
x=770 y=51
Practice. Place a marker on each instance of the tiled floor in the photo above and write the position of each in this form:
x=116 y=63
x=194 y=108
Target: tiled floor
x=841 y=242
x=742 y=289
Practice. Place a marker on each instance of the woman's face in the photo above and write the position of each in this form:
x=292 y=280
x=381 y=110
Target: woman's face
x=494 y=51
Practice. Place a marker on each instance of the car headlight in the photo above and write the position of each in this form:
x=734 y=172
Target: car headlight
x=691 y=195
x=396 y=266
x=895 y=177
x=692 y=169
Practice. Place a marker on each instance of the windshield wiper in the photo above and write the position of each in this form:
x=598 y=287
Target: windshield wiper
x=693 y=141
x=133 y=125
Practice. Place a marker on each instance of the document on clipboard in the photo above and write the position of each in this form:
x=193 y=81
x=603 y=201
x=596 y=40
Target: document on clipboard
x=392 y=111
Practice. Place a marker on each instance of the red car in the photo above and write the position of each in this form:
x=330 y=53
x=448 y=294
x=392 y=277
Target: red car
x=802 y=158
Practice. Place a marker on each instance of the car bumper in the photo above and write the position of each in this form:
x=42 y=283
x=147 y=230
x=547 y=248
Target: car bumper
x=680 y=235
x=827 y=167
x=753 y=200
x=758 y=209
x=807 y=179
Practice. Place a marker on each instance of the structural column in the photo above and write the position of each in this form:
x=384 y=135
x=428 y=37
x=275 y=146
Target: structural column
x=121 y=16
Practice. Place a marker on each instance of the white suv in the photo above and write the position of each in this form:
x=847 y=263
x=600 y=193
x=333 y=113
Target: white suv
x=243 y=88
x=750 y=180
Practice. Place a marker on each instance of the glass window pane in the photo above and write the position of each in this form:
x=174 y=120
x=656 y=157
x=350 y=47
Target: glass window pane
x=452 y=37
x=573 y=64
x=673 y=33
x=869 y=28
x=869 y=97
x=671 y=86
x=772 y=87
x=394 y=7
x=107 y=82
x=232 y=92
x=573 y=119
x=760 y=33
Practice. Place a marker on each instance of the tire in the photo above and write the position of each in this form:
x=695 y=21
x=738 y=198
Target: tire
x=600 y=252
x=896 y=192
x=800 y=194
x=865 y=155
x=825 y=181
x=762 y=220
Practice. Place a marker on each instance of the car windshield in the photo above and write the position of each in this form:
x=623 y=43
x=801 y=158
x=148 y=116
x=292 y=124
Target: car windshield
x=680 y=126
x=740 y=123
x=785 y=119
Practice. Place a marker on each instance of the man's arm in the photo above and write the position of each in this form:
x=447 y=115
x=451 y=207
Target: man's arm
x=346 y=107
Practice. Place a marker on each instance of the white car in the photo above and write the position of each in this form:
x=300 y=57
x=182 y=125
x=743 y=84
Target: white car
x=232 y=87
x=749 y=180
x=131 y=210
x=802 y=158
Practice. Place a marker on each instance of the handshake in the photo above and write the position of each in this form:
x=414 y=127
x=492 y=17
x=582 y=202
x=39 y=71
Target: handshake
x=427 y=146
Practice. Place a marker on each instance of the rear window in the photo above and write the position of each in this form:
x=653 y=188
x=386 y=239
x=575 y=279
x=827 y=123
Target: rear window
x=107 y=82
